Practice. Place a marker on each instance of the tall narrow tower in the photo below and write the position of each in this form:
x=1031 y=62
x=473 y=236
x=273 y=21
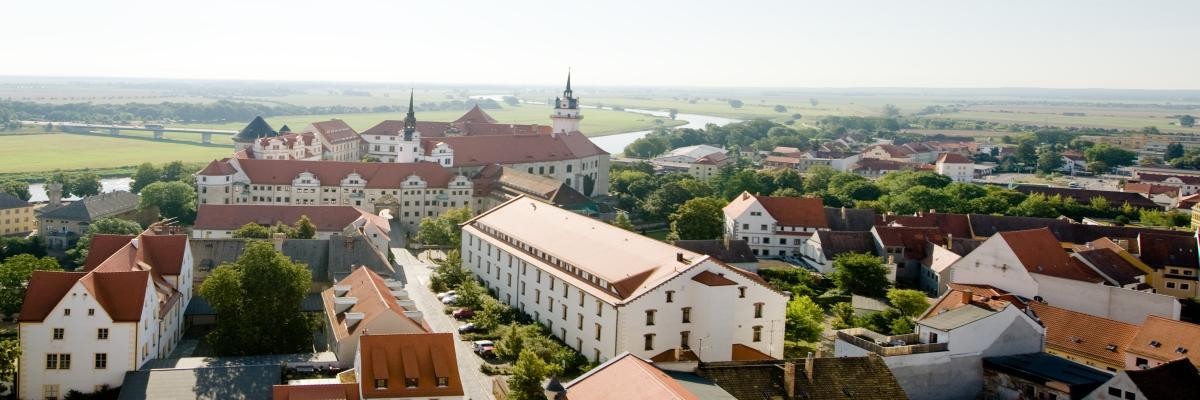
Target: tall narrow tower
x=566 y=115
x=409 y=148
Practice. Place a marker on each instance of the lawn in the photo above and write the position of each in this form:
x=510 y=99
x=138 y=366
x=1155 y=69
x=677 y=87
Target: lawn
x=25 y=153
x=595 y=122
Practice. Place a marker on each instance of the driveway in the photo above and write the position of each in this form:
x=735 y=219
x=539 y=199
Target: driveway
x=476 y=385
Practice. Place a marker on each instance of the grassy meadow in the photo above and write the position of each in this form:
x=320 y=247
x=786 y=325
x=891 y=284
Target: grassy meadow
x=45 y=152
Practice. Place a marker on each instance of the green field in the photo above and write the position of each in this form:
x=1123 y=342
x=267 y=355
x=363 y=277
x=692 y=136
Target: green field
x=595 y=122
x=26 y=153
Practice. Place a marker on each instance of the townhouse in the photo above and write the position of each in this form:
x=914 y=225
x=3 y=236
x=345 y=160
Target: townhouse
x=418 y=366
x=220 y=221
x=16 y=215
x=957 y=167
x=774 y=226
x=603 y=290
x=84 y=330
x=365 y=303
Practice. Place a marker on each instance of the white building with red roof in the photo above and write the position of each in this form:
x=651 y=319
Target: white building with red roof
x=603 y=290
x=339 y=142
x=774 y=226
x=82 y=330
x=956 y=166
x=365 y=302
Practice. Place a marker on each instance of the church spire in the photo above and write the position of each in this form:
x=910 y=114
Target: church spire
x=568 y=100
x=568 y=91
x=410 y=119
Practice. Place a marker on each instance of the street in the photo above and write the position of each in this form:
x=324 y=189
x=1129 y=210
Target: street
x=476 y=385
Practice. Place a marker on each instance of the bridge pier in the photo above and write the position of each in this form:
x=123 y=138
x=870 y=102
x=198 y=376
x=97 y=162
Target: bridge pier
x=206 y=138
x=114 y=132
x=158 y=135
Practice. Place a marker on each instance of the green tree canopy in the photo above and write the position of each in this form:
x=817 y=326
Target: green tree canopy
x=804 y=320
x=252 y=231
x=145 y=174
x=257 y=299
x=699 y=218
x=908 y=301
x=304 y=228
x=622 y=221
x=861 y=274
x=16 y=188
x=15 y=272
x=1111 y=156
x=444 y=230
x=103 y=226
x=173 y=199
x=527 y=375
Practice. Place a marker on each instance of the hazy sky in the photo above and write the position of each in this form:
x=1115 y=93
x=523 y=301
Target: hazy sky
x=953 y=43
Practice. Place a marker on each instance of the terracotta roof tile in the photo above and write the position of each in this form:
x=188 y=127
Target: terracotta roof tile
x=102 y=247
x=1085 y=335
x=1111 y=265
x=515 y=149
x=476 y=115
x=1174 y=339
x=1041 y=253
x=1160 y=250
x=121 y=293
x=1186 y=179
x=233 y=216
x=712 y=279
x=377 y=175
x=332 y=391
x=795 y=211
x=373 y=299
x=335 y=131
x=626 y=377
x=953 y=158
x=45 y=289
x=397 y=357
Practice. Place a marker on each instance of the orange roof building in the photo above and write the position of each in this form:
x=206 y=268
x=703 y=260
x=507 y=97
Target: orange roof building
x=774 y=226
x=366 y=302
x=1093 y=341
x=400 y=366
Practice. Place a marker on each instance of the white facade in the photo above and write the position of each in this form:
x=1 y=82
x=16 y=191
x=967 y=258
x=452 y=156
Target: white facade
x=957 y=172
x=747 y=219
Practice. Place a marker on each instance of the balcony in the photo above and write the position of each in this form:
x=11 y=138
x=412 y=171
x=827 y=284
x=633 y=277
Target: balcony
x=887 y=346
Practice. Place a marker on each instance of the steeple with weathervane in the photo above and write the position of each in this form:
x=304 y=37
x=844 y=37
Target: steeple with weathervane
x=409 y=148
x=566 y=115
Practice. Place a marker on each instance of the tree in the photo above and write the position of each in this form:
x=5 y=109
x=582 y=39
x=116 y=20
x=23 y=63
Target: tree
x=258 y=301
x=252 y=231
x=813 y=102
x=779 y=108
x=699 y=218
x=843 y=316
x=527 y=375
x=1048 y=159
x=83 y=184
x=1109 y=155
x=10 y=352
x=804 y=320
x=304 y=228
x=16 y=188
x=622 y=221
x=735 y=103
x=1174 y=150
x=145 y=174
x=173 y=199
x=470 y=294
x=491 y=314
x=444 y=230
x=891 y=111
x=15 y=272
x=861 y=274
x=175 y=171
x=672 y=113
x=908 y=301
x=1097 y=167
x=103 y=226
x=1187 y=120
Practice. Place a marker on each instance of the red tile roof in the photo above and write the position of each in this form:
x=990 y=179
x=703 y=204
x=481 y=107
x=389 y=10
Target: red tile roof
x=893 y=150
x=953 y=158
x=121 y=293
x=477 y=116
x=1085 y=335
x=958 y=225
x=795 y=211
x=377 y=175
x=373 y=299
x=1040 y=252
x=1186 y=179
x=1171 y=336
x=396 y=358
x=44 y=291
x=1150 y=189
x=912 y=239
x=103 y=247
x=711 y=279
x=218 y=168
x=233 y=216
x=332 y=391
x=515 y=149
x=627 y=377
x=743 y=352
x=335 y=131
x=1160 y=250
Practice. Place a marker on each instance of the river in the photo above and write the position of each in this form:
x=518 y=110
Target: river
x=37 y=191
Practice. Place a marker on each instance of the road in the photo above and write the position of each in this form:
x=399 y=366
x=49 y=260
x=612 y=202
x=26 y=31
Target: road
x=1093 y=183
x=476 y=385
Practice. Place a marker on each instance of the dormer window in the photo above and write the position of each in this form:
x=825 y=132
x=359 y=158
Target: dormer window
x=410 y=383
x=1155 y=344
x=443 y=381
x=381 y=383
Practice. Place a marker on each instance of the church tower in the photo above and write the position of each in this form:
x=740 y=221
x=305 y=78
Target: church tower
x=566 y=115
x=409 y=148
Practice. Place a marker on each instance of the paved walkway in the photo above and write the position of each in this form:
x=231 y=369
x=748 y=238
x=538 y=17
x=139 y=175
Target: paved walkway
x=476 y=384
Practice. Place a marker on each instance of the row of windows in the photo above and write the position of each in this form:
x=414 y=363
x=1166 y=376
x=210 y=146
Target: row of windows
x=685 y=338
x=60 y=333
x=62 y=361
x=533 y=251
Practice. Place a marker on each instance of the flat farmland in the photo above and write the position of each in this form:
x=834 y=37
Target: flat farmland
x=27 y=153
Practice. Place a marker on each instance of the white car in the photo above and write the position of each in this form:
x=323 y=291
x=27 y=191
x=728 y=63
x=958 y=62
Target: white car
x=451 y=299
x=443 y=295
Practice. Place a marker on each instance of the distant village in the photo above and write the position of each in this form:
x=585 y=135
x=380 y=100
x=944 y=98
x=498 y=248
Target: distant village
x=538 y=284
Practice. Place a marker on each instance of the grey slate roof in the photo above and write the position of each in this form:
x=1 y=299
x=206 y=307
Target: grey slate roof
x=736 y=251
x=9 y=201
x=256 y=129
x=1043 y=368
x=834 y=243
x=704 y=389
x=226 y=382
x=92 y=208
x=855 y=219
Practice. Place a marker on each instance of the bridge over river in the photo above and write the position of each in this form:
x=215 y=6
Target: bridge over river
x=160 y=132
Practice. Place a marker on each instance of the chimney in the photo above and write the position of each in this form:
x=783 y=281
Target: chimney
x=679 y=258
x=843 y=212
x=678 y=353
x=789 y=379
x=966 y=297
x=949 y=241
x=277 y=239
x=134 y=242
x=726 y=242
x=54 y=191
x=808 y=367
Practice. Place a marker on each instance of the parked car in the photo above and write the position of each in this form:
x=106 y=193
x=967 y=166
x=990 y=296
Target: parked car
x=463 y=313
x=444 y=294
x=451 y=299
x=484 y=348
x=467 y=327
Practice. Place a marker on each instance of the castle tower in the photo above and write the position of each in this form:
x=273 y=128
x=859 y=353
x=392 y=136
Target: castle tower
x=409 y=148
x=256 y=129
x=566 y=115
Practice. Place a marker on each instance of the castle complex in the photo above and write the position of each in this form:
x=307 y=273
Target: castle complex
x=420 y=169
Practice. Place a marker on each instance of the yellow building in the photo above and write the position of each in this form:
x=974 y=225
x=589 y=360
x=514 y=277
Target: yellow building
x=16 y=215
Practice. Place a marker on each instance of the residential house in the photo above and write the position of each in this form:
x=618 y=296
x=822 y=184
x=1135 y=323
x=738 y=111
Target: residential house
x=956 y=166
x=873 y=168
x=1174 y=263
x=1161 y=340
x=1169 y=381
x=60 y=226
x=366 y=302
x=889 y=152
x=16 y=216
x=339 y=142
x=628 y=377
x=603 y=290
x=687 y=154
x=407 y=366
x=1033 y=264
x=841 y=378
x=943 y=358
x=1162 y=195
x=934 y=275
x=1073 y=163
x=904 y=248
x=497 y=184
x=774 y=226
x=1097 y=342
x=823 y=247
x=1186 y=182
x=1038 y=376
x=83 y=330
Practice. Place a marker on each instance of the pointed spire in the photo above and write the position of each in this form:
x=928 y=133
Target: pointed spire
x=410 y=119
x=568 y=79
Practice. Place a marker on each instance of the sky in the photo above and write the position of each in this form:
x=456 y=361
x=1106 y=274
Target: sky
x=1144 y=44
